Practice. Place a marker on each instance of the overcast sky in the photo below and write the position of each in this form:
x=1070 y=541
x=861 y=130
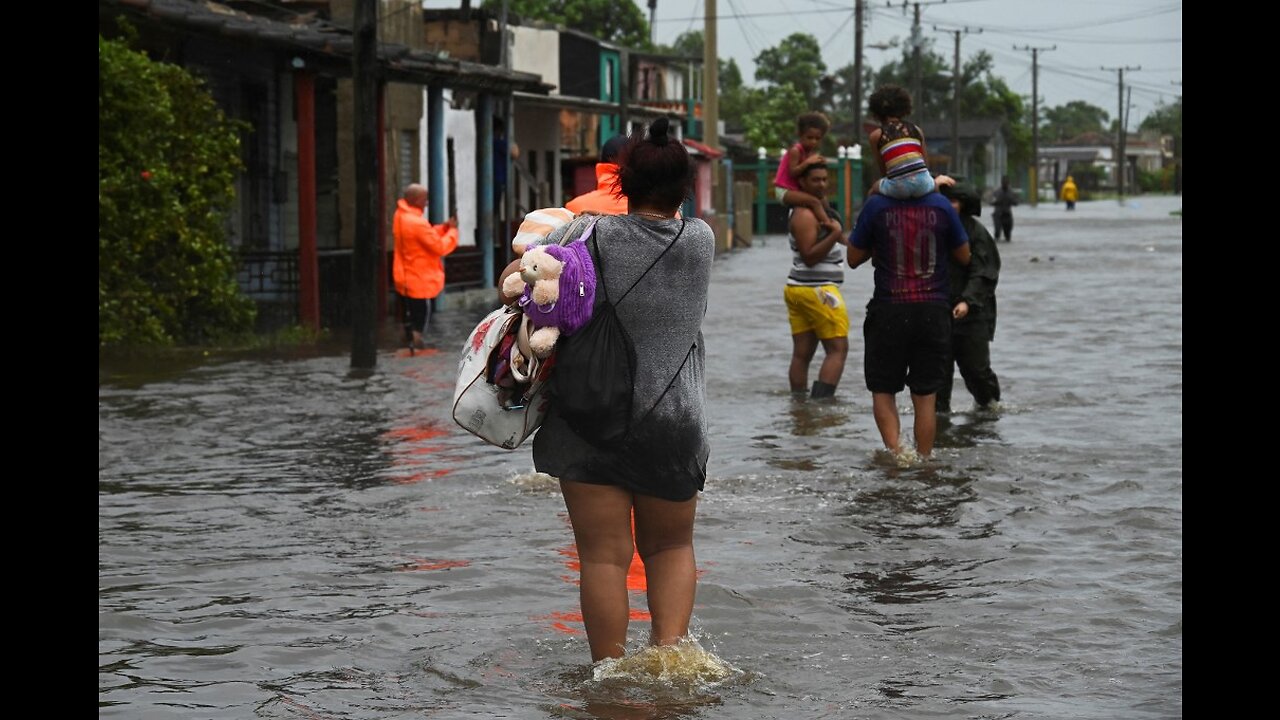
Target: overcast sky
x=1089 y=34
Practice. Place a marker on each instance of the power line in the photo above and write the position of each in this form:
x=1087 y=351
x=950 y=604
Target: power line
x=742 y=27
x=838 y=30
x=700 y=18
x=1085 y=24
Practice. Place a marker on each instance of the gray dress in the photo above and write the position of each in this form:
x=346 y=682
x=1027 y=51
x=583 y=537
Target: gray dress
x=665 y=455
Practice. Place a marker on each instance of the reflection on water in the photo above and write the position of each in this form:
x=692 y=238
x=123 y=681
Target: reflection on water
x=812 y=417
x=279 y=538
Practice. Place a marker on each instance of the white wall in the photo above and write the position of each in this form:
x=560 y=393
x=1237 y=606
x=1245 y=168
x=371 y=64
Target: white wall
x=673 y=84
x=536 y=51
x=460 y=125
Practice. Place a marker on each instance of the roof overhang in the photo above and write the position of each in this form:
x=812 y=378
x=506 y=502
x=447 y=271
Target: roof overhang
x=590 y=105
x=324 y=47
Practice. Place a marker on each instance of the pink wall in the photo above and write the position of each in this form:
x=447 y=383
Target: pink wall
x=702 y=186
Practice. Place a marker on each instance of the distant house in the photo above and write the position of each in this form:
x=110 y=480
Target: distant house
x=1094 y=153
x=983 y=157
x=592 y=95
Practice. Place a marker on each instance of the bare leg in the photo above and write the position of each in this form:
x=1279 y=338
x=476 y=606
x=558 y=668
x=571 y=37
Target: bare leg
x=885 y=409
x=803 y=346
x=601 y=518
x=926 y=422
x=664 y=537
x=836 y=350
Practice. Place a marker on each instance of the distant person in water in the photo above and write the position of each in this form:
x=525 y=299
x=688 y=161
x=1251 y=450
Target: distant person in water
x=1070 y=193
x=1002 y=210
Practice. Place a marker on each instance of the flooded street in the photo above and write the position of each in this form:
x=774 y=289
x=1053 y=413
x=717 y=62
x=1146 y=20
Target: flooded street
x=277 y=539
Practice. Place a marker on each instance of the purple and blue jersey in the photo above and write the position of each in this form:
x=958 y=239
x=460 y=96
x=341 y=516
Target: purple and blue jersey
x=910 y=243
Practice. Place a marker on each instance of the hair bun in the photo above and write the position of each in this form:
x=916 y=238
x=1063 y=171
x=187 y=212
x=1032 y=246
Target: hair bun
x=658 y=131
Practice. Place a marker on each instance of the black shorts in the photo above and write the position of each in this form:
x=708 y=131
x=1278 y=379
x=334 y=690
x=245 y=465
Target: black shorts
x=907 y=344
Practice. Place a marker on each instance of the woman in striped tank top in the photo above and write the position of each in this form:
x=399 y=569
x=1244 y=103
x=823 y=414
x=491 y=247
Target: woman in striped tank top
x=900 y=148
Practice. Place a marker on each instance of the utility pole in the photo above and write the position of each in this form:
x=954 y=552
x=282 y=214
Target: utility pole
x=653 y=30
x=711 y=80
x=1122 y=164
x=1177 y=150
x=364 y=261
x=857 y=71
x=917 y=72
x=1035 y=117
x=917 y=61
x=954 y=166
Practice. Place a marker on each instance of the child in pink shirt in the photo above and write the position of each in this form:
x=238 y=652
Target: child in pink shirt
x=812 y=126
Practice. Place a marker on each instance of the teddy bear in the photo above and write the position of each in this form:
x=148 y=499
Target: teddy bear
x=557 y=289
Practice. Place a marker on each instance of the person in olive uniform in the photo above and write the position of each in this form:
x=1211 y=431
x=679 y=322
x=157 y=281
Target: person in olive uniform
x=974 y=287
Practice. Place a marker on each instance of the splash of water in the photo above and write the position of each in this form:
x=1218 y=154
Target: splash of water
x=684 y=666
x=907 y=457
x=535 y=482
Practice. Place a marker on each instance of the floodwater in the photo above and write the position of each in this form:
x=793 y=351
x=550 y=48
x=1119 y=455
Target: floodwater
x=278 y=539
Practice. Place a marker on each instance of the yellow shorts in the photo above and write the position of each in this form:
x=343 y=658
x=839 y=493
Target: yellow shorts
x=779 y=191
x=817 y=309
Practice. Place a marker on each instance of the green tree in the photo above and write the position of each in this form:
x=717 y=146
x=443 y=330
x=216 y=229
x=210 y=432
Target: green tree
x=616 y=22
x=771 y=120
x=842 y=102
x=983 y=94
x=795 y=63
x=1166 y=119
x=936 y=83
x=167 y=163
x=1072 y=119
x=688 y=43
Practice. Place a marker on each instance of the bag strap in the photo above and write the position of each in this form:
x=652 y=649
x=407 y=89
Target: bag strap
x=595 y=255
x=591 y=226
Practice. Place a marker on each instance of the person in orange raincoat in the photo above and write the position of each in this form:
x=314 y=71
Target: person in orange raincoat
x=605 y=199
x=419 y=258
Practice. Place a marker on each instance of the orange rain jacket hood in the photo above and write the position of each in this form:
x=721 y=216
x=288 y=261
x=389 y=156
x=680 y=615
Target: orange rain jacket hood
x=601 y=200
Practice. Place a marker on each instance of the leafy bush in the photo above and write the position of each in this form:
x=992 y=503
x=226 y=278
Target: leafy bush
x=167 y=164
x=1156 y=180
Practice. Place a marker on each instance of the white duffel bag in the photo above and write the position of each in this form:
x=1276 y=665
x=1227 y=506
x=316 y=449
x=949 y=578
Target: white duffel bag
x=502 y=416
